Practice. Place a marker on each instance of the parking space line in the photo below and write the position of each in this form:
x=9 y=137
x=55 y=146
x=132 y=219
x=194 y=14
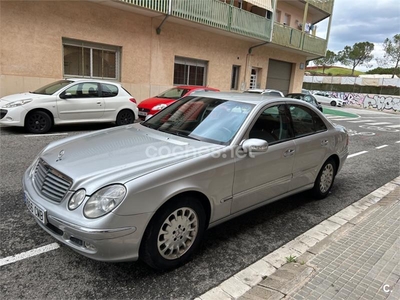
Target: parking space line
x=356 y=154
x=347 y=119
x=361 y=121
x=379 y=123
x=27 y=254
x=51 y=134
x=380 y=147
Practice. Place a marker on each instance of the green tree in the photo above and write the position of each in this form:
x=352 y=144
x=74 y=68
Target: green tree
x=359 y=54
x=392 y=52
x=327 y=61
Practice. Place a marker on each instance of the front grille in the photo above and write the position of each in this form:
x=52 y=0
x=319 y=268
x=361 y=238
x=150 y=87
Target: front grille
x=3 y=112
x=50 y=183
x=144 y=109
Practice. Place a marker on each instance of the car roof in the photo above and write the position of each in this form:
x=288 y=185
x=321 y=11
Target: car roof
x=92 y=80
x=263 y=90
x=240 y=97
x=192 y=87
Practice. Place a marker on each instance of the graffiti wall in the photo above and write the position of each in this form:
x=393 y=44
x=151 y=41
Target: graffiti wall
x=380 y=102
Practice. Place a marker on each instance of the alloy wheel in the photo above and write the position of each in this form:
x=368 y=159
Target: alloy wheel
x=326 y=178
x=177 y=233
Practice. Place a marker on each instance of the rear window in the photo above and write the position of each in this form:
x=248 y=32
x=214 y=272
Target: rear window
x=109 y=90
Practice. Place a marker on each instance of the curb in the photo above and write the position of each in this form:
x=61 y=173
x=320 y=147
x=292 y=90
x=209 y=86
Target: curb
x=276 y=283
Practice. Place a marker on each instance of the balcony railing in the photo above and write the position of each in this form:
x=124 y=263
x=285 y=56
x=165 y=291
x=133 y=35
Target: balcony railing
x=213 y=13
x=157 y=5
x=247 y=23
x=296 y=39
x=325 y=5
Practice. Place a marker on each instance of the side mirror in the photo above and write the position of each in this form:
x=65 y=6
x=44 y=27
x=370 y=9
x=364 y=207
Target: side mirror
x=65 y=95
x=254 y=146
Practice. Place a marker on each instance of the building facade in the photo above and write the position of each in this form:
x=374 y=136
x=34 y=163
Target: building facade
x=151 y=45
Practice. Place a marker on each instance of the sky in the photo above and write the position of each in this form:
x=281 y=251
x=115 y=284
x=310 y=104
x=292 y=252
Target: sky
x=362 y=21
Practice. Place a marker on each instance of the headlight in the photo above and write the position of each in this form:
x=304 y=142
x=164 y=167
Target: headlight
x=76 y=199
x=17 y=103
x=159 y=107
x=104 y=201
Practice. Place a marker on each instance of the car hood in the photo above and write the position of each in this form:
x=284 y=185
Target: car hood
x=22 y=96
x=151 y=102
x=120 y=154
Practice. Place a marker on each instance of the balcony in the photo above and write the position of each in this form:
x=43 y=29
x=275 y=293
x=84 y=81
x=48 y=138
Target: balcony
x=298 y=40
x=324 y=5
x=212 y=13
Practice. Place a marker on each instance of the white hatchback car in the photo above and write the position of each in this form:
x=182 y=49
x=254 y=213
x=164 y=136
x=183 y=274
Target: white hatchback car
x=69 y=101
x=325 y=98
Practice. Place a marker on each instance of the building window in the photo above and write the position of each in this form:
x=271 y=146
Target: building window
x=85 y=59
x=235 y=77
x=190 y=71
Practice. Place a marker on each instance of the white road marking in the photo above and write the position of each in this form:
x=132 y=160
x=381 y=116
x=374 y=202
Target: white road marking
x=347 y=119
x=333 y=116
x=393 y=126
x=51 y=134
x=379 y=123
x=398 y=142
x=361 y=121
x=380 y=147
x=356 y=154
x=27 y=254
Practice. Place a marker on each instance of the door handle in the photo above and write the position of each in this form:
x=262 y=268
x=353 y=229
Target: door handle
x=324 y=142
x=288 y=152
x=99 y=103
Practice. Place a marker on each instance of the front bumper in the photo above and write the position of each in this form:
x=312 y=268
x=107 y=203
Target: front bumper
x=14 y=116
x=111 y=238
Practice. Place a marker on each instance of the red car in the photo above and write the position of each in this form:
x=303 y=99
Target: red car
x=151 y=106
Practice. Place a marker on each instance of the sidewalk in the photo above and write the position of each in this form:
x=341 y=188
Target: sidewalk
x=354 y=254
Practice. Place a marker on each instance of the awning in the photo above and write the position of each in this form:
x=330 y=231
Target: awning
x=266 y=4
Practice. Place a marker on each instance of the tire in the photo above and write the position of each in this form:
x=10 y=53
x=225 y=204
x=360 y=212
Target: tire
x=333 y=103
x=38 y=122
x=125 y=117
x=180 y=224
x=325 y=179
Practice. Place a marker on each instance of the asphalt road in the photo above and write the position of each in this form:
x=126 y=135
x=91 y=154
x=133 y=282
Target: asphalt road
x=228 y=248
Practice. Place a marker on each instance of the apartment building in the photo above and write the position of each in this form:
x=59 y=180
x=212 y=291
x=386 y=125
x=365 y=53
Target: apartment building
x=151 y=45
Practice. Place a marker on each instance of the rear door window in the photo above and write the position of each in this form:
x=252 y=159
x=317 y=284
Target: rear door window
x=305 y=121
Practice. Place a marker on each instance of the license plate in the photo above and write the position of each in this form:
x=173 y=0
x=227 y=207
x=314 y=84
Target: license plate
x=38 y=212
x=142 y=113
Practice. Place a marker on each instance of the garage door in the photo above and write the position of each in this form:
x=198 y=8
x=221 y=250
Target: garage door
x=279 y=73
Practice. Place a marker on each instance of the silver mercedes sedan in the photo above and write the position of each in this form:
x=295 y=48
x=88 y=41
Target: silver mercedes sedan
x=150 y=190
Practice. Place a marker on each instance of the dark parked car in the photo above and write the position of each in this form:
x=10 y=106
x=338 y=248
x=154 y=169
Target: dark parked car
x=306 y=97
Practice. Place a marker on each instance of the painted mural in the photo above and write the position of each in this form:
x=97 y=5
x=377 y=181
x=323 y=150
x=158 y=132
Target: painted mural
x=379 y=102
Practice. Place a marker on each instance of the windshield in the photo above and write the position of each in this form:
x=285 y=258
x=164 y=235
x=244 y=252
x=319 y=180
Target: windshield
x=51 y=88
x=174 y=93
x=206 y=119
